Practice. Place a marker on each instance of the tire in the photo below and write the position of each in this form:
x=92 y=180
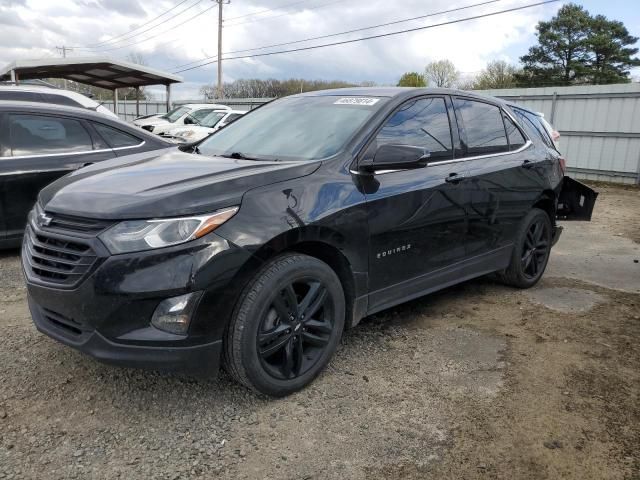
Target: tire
x=294 y=301
x=530 y=252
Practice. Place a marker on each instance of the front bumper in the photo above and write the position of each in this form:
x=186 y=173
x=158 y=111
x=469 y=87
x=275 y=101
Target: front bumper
x=198 y=359
x=107 y=312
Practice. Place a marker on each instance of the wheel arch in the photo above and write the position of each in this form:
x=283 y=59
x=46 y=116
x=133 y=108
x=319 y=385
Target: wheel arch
x=548 y=202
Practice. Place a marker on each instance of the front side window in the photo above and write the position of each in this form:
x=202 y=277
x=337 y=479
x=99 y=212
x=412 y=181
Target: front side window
x=420 y=123
x=294 y=128
x=39 y=134
x=483 y=125
x=116 y=138
x=198 y=116
x=176 y=113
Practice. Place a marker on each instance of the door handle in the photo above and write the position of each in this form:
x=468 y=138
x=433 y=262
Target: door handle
x=527 y=164
x=454 y=178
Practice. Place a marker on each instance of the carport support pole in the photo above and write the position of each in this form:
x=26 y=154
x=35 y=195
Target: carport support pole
x=137 y=102
x=14 y=77
x=115 y=101
x=168 y=97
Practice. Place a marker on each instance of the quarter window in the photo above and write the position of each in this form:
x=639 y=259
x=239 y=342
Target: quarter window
x=485 y=132
x=39 y=134
x=116 y=138
x=532 y=123
x=420 y=123
x=516 y=139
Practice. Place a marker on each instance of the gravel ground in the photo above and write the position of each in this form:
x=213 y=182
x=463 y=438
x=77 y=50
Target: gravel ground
x=477 y=381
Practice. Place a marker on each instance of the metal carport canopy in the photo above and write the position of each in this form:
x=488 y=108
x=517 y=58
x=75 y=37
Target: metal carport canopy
x=102 y=72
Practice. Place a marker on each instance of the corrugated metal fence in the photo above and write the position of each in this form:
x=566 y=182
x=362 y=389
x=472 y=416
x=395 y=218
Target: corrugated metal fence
x=599 y=125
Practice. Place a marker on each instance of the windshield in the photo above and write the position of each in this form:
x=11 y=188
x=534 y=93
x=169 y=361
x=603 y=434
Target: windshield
x=212 y=119
x=176 y=113
x=294 y=128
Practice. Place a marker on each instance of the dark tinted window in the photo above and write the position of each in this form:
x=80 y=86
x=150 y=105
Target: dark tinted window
x=516 y=139
x=19 y=96
x=59 y=100
x=116 y=138
x=532 y=123
x=420 y=123
x=39 y=134
x=485 y=133
x=232 y=117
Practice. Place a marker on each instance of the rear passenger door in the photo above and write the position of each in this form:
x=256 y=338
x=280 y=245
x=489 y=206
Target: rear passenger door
x=39 y=149
x=505 y=179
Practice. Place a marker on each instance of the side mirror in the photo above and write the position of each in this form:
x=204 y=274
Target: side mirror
x=396 y=157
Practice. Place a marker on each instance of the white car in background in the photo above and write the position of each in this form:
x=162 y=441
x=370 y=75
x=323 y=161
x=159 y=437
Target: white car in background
x=52 y=95
x=213 y=122
x=188 y=114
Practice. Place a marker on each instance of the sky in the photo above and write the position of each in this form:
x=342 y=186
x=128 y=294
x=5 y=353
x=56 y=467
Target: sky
x=118 y=28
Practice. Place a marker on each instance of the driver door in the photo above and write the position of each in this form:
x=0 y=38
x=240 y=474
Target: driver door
x=417 y=218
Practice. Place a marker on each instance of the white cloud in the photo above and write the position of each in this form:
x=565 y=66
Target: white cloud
x=37 y=26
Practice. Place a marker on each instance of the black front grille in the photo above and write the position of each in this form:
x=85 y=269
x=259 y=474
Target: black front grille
x=76 y=224
x=56 y=260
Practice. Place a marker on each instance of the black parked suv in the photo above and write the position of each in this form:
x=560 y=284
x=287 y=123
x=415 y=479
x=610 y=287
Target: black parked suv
x=39 y=143
x=290 y=225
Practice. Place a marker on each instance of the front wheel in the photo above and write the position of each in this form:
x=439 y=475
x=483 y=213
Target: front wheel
x=286 y=325
x=530 y=252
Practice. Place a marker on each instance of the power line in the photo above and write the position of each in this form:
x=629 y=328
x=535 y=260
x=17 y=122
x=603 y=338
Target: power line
x=344 y=33
x=139 y=26
x=268 y=10
x=163 y=32
x=282 y=14
x=382 y=35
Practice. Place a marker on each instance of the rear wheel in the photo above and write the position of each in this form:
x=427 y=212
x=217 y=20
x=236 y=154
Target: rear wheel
x=286 y=326
x=530 y=252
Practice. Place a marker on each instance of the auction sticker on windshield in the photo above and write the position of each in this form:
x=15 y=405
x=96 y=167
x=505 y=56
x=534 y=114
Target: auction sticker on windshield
x=367 y=101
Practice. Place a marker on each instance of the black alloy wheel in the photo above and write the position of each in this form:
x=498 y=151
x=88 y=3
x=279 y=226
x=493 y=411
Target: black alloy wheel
x=531 y=251
x=286 y=325
x=536 y=248
x=296 y=329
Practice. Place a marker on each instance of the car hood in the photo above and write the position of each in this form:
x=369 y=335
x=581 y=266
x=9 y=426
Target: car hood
x=163 y=183
x=150 y=121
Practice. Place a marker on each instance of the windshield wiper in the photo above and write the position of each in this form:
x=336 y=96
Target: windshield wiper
x=238 y=156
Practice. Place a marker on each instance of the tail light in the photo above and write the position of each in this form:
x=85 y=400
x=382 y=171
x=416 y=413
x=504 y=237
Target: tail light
x=563 y=164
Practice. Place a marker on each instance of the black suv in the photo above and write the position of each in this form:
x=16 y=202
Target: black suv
x=260 y=245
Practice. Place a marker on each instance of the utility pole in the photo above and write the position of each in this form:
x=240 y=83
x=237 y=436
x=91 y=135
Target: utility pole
x=219 y=91
x=63 y=50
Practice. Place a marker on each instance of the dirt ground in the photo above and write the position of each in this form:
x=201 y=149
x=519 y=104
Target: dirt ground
x=477 y=381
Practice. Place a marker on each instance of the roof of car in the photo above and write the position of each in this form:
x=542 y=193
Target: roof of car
x=397 y=92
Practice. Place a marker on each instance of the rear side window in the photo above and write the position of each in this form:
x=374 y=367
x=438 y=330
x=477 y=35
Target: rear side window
x=516 y=139
x=483 y=126
x=532 y=123
x=59 y=100
x=420 y=123
x=40 y=134
x=19 y=96
x=116 y=138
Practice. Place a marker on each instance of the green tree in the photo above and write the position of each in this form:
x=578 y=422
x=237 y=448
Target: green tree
x=610 y=55
x=497 y=74
x=442 y=73
x=576 y=48
x=412 y=79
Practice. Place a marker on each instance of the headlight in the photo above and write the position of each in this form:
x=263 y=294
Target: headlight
x=136 y=235
x=185 y=134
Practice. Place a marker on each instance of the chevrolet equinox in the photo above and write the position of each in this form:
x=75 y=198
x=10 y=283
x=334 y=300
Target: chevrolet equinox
x=257 y=247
